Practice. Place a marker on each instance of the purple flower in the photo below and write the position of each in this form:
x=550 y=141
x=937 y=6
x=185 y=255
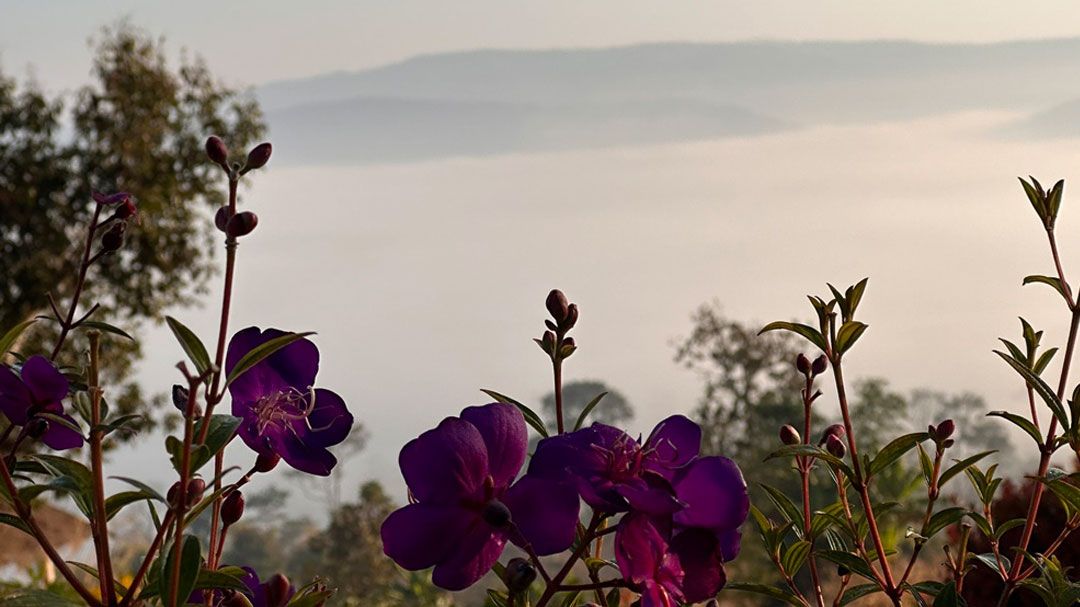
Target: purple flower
x=681 y=557
x=282 y=413
x=466 y=505
x=614 y=472
x=40 y=390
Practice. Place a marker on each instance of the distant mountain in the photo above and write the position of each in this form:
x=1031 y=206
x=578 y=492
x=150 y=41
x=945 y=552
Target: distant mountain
x=495 y=101
x=368 y=130
x=1058 y=122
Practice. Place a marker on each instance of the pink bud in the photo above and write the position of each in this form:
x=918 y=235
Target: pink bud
x=217 y=151
x=232 y=508
x=802 y=364
x=241 y=224
x=557 y=305
x=789 y=435
x=258 y=157
x=266 y=463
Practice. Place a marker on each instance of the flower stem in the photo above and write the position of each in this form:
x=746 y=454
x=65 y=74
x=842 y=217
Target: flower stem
x=99 y=524
x=65 y=325
x=556 y=365
x=556 y=582
x=144 y=567
x=180 y=508
x=804 y=473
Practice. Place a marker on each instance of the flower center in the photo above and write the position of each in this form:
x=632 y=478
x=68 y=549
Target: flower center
x=496 y=514
x=281 y=408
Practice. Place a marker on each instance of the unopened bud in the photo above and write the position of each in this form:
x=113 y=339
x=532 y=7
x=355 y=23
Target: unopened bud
x=819 y=365
x=836 y=430
x=789 y=435
x=195 y=488
x=571 y=316
x=173 y=496
x=266 y=463
x=125 y=210
x=520 y=574
x=948 y=443
x=258 y=157
x=557 y=305
x=222 y=217
x=241 y=224
x=232 y=508
x=496 y=514
x=802 y=364
x=113 y=239
x=835 y=446
x=277 y=591
x=217 y=151
x=569 y=343
x=945 y=429
x=180 y=397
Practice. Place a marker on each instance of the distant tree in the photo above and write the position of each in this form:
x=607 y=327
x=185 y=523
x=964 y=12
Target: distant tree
x=139 y=126
x=268 y=538
x=614 y=409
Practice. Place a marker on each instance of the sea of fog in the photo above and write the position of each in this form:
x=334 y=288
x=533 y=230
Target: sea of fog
x=426 y=281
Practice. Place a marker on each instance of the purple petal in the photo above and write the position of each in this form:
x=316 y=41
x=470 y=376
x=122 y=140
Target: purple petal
x=545 y=511
x=249 y=428
x=474 y=555
x=730 y=541
x=44 y=381
x=15 y=398
x=502 y=427
x=305 y=458
x=330 y=421
x=699 y=557
x=649 y=498
x=59 y=436
x=714 y=492
x=445 y=464
x=639 y=548
x=419 y=536
x=672 y=444
x=293 y=366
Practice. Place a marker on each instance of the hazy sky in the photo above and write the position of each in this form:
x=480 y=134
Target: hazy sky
x=254 y=42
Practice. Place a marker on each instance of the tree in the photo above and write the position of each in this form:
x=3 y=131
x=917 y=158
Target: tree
x=613 y=409
x=139 y=126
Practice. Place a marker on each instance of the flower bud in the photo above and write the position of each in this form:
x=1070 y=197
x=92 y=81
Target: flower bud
x=571 y=316
x=789 y=435
x=173 y=496
x=557 y=305
x=37 y=427
x=496 y=514
x=945 y=429
x=216 y=150
x=126 y=210
x=520 y=574
x=258 y=157
x=113 y=238
x=836 y=430
x=802 y=364
x=232 y=508
x=277 y=591
x=835 y=446
x=569 y=343
x=819 y=365
x=195 y=488
x=180 y=397
x=266 y=463
x=222 y=217
x=241 y=224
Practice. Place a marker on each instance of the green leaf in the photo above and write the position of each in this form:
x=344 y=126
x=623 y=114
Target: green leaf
x=1040 y=388
x=191 y=344
x=499 y=599
x=147 y=489
x=855 y=293
x=811 y=334
x=531 y=417
x=115 y=503
x=849 y=561
x=1022 y=422
x=795 y=556
x=9 y=338
x=1015 y=350
x=121 y=589
x=1035 y=198
x=948 y=597
x=1067 y=493
x=29 y=597
x=770 y=591
x=895 y=450
x=784 y=504
x=1052 y=281
x=221 y=431
x=105 y=327
x=261 y=352
x=960 y=466
x=848 y=334
x=943 y=519
x=71 y=476
x=588 y=409
x=857 y=592
x=190 y=561
x=1044 y=360
x=811 y=450
x=1053 y=199
x=13 y=521
x=990 y=561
